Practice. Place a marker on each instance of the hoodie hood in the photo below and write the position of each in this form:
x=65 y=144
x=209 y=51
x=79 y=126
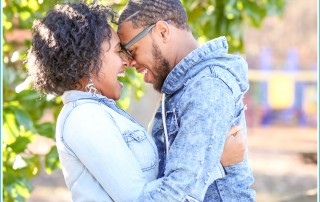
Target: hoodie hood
x=213 y=53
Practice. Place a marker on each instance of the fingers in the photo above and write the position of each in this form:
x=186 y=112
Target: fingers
x=235 y=147
x=233 y=151
x=239 y=140
x=235 y=130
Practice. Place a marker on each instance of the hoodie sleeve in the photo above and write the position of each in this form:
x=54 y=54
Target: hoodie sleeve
x=205 y=115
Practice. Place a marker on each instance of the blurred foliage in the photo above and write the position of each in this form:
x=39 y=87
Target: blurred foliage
x=24 y=109
x=209 y=19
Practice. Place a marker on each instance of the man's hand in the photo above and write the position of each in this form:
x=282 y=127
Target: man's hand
x=234 y=148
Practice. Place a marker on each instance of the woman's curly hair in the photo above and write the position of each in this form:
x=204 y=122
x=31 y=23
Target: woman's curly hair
x=66 y=46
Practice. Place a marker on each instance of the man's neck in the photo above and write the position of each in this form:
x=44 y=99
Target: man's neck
x=186 y=43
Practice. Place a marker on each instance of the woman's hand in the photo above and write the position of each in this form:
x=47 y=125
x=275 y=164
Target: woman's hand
x=234 y=147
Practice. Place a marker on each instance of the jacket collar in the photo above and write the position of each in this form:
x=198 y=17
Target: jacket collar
x=188 y=66
x=74 y=95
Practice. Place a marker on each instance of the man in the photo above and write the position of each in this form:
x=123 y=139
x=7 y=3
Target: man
x=202 y=90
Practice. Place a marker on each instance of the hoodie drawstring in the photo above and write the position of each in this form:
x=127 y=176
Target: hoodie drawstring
x=165 y=124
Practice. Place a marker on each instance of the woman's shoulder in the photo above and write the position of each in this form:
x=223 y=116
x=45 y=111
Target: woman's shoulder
x=89 y=118
x=89 y=111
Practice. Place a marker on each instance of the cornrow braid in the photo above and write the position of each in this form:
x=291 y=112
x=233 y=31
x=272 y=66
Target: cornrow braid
x=143 y=13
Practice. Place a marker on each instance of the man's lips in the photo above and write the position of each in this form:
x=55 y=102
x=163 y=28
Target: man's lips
x=142 y=71
x=147 y=74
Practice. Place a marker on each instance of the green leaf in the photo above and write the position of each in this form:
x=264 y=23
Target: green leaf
x=275 y=7
x=255 y=13
x=52 y=160
x=195 y=14
x=28 y=95
x=22 y=189
x=56 y=111
x=124 y=103
x=11 y=128
x=46 y=129
x=33 y=166
x=20 y=144
x=33 y=5
x=23 y=119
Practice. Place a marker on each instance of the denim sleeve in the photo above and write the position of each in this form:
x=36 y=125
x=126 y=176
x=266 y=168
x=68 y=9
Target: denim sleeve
x=98 y=144
x=205 y=114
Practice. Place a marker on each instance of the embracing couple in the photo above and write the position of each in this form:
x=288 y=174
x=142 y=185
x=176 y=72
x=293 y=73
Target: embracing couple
x=197 y=149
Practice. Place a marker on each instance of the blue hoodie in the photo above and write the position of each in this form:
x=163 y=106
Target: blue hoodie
x=202 y=99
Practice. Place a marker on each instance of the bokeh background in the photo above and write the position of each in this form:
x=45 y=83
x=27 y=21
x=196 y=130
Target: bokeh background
x=279 y=41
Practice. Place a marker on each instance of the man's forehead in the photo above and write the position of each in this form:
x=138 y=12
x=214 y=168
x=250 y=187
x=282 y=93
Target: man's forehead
x=126 y=32
x=123 y=29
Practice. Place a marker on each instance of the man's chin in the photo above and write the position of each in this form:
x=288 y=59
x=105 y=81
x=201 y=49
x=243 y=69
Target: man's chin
x=154 y=85
x=157 y=87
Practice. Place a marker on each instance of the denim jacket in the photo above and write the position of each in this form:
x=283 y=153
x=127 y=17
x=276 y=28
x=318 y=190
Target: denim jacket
x=203 y=99
x=105 y=155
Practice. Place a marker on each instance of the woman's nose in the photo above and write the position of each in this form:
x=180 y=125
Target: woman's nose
x=126 y=63
x=133 y=63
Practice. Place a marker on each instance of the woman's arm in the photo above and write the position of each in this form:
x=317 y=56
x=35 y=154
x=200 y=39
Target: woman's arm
x=96 y=141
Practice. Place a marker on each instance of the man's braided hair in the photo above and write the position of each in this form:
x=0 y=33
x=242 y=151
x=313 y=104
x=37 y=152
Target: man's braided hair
x=143 y=13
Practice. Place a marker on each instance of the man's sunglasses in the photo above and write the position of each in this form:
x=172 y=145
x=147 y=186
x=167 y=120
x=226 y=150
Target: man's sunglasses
x=135 y=39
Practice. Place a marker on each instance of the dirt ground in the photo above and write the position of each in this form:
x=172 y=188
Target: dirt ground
x=282 y=160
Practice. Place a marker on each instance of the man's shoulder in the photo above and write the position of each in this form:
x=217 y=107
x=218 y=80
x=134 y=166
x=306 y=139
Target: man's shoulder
x=203 y=88
x=205 y=78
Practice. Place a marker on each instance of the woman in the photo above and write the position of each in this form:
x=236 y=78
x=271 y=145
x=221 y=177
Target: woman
x=104 y=153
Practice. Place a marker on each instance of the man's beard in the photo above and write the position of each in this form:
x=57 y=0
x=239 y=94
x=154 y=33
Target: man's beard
x=162 y=67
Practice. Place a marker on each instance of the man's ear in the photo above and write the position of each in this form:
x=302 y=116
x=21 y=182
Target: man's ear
x=163 y=30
